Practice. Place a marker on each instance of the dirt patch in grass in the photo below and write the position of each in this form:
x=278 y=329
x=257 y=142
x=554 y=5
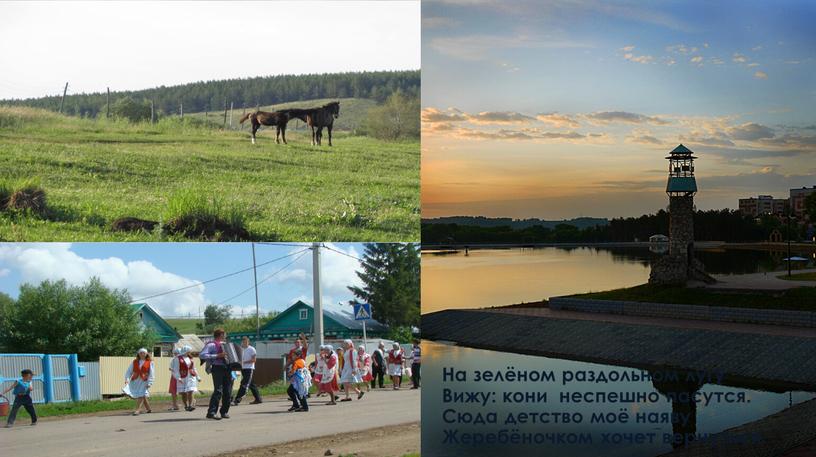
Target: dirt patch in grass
x=206 y=227
x=132 y=224
x=28 y=199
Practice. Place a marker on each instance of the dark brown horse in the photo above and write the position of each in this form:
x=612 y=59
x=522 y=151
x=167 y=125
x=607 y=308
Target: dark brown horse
x=324 y=116
x=278 y=118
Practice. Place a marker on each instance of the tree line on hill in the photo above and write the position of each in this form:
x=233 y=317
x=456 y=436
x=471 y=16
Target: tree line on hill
x=720 y=225
x=245 y=92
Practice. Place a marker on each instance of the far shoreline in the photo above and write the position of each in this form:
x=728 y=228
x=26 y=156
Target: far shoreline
x=700 y=245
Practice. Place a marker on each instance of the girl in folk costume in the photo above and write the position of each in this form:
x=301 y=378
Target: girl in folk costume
x=173 y=386
x=351 y=374
x=328 y=377
x=395 y=361
x=186 y=377
x=319 y=367
x=365 y=366
x=138 y=378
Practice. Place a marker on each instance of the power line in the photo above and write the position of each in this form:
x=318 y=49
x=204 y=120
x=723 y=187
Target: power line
x=302 y=253
x=216 y=279
x=343 y=253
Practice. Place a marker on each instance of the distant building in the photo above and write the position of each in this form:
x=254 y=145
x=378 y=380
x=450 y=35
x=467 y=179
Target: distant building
x=150 y=319
x=797 y=199
x=762 y=205
x=298 y=319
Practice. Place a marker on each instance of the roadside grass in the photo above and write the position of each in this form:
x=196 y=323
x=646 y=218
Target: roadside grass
x=799 y=276
x=158 y=402
x=799 y=299
x=96 y=171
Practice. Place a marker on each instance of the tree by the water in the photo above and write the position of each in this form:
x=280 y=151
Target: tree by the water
x=390 y=275
x=90 y=320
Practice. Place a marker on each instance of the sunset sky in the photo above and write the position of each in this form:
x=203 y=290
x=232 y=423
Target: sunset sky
x=561 y=109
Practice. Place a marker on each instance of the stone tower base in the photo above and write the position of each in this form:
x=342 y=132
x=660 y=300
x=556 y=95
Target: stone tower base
x=676 y=270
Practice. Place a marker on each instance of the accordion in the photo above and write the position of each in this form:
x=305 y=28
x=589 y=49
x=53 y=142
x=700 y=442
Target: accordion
x=233 y=353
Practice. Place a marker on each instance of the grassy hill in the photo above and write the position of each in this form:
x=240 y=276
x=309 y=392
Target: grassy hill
x=185 y=326
x=95 y=171
x=352 y=113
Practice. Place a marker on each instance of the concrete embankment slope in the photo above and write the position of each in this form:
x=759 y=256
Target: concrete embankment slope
x=773 y=362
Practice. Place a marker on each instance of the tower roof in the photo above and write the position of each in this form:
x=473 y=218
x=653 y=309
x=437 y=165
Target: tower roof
x=681 y=150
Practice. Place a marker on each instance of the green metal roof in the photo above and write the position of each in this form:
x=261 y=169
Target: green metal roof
x=681 y=184
x=681 y=150
x=152 y=320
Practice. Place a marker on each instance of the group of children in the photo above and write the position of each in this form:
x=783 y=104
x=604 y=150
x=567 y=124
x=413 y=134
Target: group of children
x=344 y=368
x=184 y=379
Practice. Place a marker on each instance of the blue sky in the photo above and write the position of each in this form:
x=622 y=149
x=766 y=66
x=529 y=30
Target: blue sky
x=150 y=268
x=565 y=108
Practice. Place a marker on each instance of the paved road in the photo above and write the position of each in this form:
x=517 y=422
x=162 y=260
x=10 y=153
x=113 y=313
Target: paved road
x=735 y=327
x=166 y=434
x=760 y=281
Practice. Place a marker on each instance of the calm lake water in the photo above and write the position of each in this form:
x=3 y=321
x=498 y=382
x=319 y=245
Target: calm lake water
x=495 y=277
x=711 y=418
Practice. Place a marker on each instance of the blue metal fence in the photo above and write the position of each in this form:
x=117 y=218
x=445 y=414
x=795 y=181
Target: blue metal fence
x=56 y=376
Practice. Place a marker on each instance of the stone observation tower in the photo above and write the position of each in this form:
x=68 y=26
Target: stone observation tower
x=679 y=265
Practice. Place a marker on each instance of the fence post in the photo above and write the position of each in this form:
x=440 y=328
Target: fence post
x=62 y=102
x=48 y=381
x=225 y=113
x=230 y=115
x=73 y=369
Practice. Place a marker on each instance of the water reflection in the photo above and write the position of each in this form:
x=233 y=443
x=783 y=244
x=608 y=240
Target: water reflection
x=699 y=418
x=494 y=277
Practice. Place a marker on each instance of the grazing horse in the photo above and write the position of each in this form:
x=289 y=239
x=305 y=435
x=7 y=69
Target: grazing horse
x=278 y=118
x=317 y=118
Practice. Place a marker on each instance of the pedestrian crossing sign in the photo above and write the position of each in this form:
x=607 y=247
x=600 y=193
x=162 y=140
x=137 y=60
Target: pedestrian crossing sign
x=362 y=311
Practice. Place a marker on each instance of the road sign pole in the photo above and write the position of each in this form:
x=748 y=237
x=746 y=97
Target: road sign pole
x=365 y=341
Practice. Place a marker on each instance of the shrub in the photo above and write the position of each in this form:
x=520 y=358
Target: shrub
x=396 y=119
x=193 y=215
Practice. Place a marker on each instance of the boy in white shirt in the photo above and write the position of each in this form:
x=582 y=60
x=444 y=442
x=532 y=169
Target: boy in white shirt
x=247 y=369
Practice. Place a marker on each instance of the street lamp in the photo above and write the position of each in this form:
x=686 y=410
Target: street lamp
x=790 y=220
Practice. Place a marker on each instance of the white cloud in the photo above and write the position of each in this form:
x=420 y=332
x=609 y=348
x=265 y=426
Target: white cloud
x=644 y=59
x=4 y=272
x=55 y=261
x=761 y=75
x=739 y=58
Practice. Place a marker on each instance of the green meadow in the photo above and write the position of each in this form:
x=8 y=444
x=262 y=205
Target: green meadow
x=94 y=172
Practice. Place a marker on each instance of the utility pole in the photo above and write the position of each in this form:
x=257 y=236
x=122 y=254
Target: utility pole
x=230 y=115
x=62 y=102
x=318 y=308
x=107 y=102
x=790 y=219
x=257 y=308
x=181 y=109
x=225 y=112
